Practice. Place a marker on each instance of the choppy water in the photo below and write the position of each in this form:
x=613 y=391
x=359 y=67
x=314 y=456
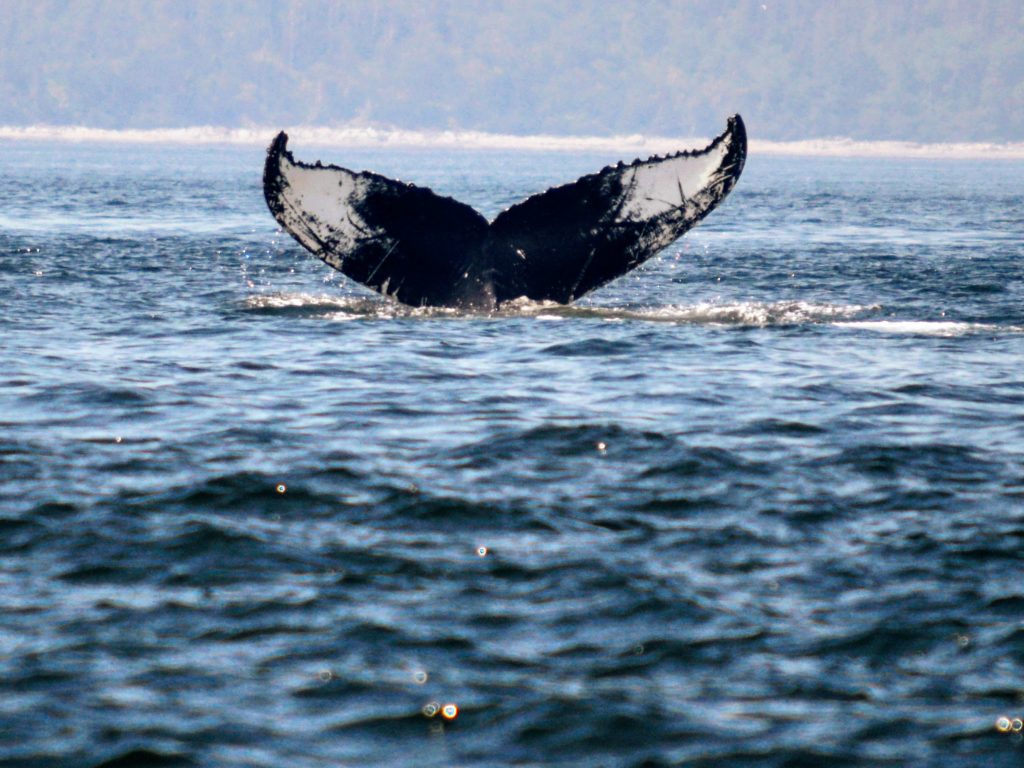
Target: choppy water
x=758 y=504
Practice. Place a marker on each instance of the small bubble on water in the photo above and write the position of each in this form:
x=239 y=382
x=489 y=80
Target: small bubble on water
x=420 y=676
x=431 y=709
x=602 y=446
x=325 y=675
x=449 y=711
x=1003 y=724
x=281 y=488
x=1017 y=725
x=482 y=551
x=963 y=641
x=118 y=439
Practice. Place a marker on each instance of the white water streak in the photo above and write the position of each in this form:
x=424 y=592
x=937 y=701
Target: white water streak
x=368 y=137
x=929 y=327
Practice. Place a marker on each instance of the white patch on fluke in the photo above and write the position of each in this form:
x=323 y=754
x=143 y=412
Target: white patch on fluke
x=319 y=207
x=658 y=186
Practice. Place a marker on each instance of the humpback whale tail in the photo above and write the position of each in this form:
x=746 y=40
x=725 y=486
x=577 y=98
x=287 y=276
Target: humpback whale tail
x=423 y=249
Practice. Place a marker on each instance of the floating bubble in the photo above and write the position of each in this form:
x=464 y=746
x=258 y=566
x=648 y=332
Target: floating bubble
x=449 y=711
x=281 y=488
x=325 y=675
x=1003 y=724
x=1017 y=725
x=482 y=551
x=963 y=641
x=420 y=676
x=430 y=709
x=118 y=439
x=602 y=446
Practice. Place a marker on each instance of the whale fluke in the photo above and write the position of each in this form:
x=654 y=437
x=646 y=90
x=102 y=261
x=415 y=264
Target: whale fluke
x=423 y=249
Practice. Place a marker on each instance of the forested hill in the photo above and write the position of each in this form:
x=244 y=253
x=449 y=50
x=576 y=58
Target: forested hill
x=933 y=70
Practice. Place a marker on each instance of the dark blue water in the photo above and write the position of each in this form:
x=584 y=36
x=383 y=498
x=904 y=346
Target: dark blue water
x=760 y=503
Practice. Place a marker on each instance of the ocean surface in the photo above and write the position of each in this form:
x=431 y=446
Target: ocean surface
x=759 y=503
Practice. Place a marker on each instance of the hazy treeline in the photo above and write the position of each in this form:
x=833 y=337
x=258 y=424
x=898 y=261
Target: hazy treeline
x=928 y=70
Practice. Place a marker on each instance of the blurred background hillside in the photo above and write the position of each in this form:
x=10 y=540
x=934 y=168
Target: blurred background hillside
x=927 y=70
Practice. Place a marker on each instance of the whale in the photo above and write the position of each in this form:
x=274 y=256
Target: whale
x=426 y=250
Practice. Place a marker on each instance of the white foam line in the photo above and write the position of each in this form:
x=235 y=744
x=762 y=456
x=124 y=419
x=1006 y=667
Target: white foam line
x=926 y=327
x=368 y=137
x=761 y=314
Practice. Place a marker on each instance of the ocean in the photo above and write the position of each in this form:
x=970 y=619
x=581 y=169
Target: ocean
x=759 y=503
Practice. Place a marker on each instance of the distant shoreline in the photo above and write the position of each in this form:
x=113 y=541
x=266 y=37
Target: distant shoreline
x=382 y=138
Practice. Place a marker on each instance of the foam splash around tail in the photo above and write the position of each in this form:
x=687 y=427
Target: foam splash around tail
x=750 y=313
